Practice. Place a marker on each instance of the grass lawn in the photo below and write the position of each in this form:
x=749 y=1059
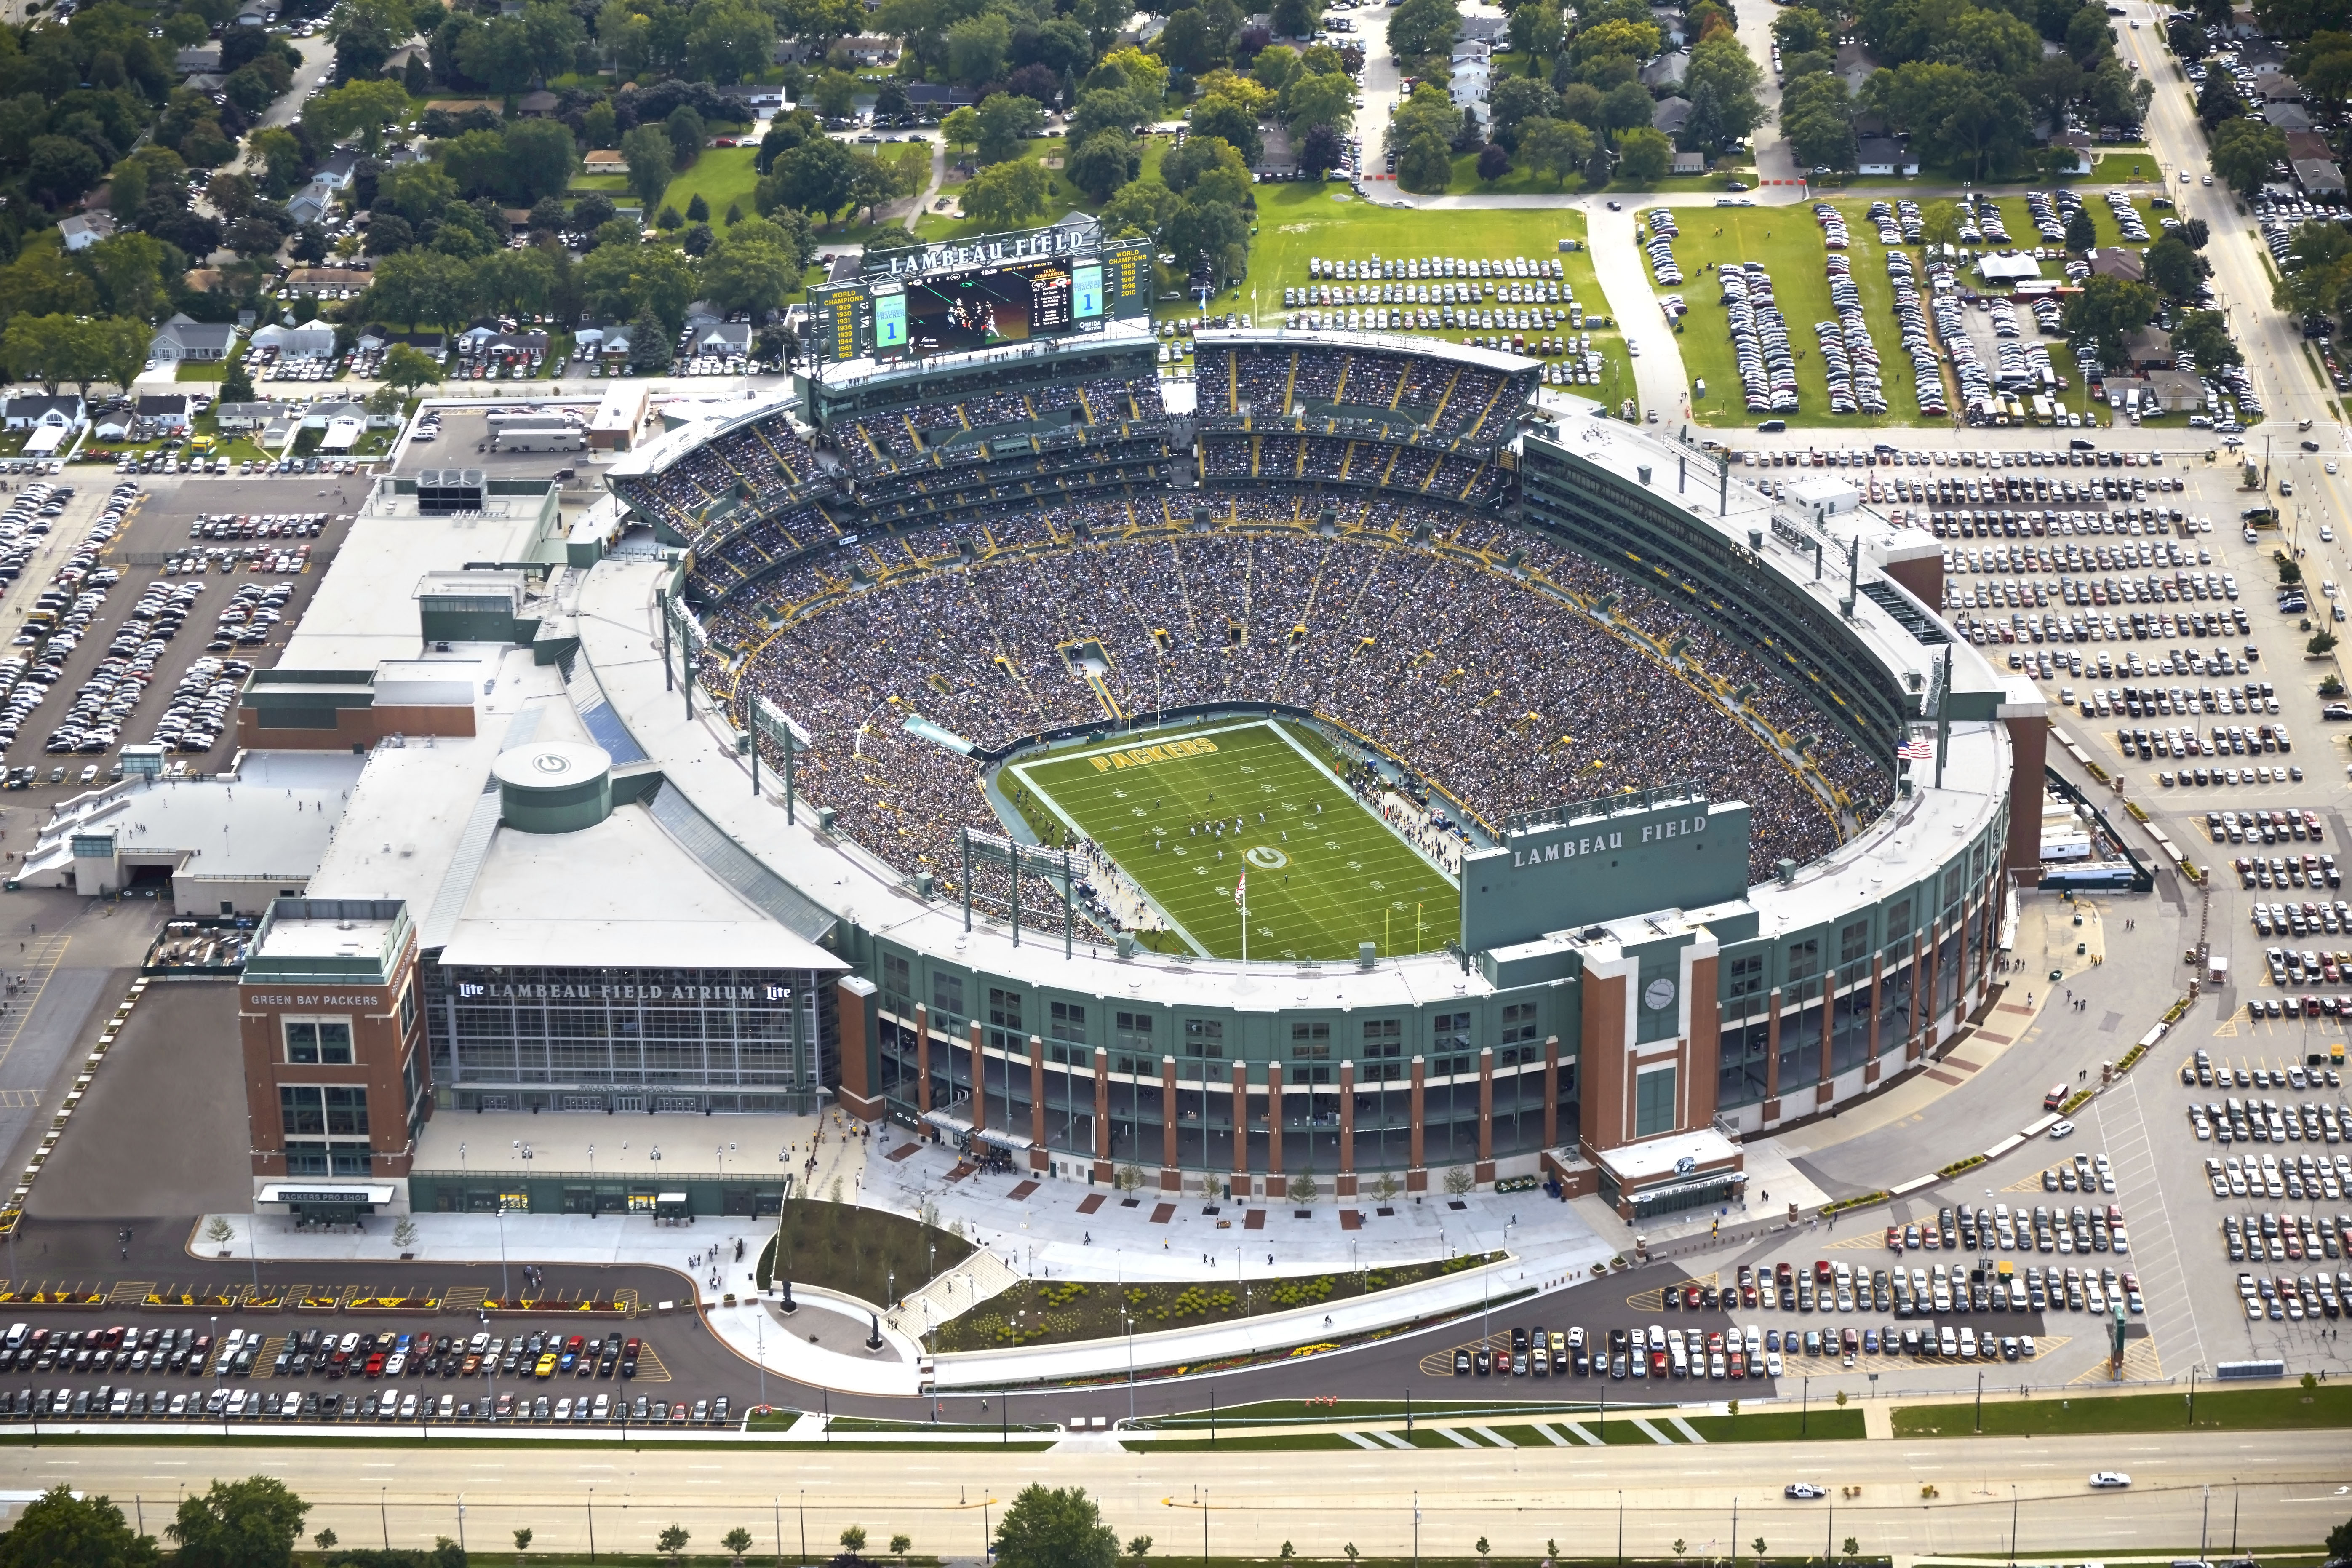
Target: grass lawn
x=872 y=1255
x=2221 y=1409
x=1239 y=1445
x=1066 y=1312
x=1329 y=873
x=720 y=176
x=611 y=184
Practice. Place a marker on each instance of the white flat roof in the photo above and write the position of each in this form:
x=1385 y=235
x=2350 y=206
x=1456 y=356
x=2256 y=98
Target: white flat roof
x=1647 y=1161
x=617 y=895
x=233 y=827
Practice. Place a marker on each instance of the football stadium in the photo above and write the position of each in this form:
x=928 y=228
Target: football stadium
x=1360 y=759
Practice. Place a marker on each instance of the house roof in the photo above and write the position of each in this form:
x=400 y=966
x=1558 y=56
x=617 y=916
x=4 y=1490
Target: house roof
x=2308 y=144
x=2287 y=116
x=341 y=165
x=1880 y=150
x=2113 y=262
x=1690 y=164
x=150 y=405
x=97 y=223
x=186 y=330
x=1670 y=114
x=2149 y=344
x=33 y=404
x=2318 y=174
x=540 y=102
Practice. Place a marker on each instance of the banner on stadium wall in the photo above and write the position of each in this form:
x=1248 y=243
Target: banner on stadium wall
x=1590 y=863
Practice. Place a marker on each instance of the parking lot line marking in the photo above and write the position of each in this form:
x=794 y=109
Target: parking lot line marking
x=41 y=954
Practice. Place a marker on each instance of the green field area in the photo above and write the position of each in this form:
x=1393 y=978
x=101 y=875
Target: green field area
x=2218 y=1409
x=1325 y=873
x=722 y=175
x=1298 y=222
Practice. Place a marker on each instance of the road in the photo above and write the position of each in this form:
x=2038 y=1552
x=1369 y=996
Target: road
x=1439 y=1502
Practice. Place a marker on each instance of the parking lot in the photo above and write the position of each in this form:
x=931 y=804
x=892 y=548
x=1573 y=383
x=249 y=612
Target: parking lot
x=188 y=1366
x=463 y=441
x=156 y=616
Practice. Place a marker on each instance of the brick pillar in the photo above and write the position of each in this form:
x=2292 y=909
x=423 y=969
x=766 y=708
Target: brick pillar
x=1921 y=997
x=1485 y=1170
x=1416 y=1174
x=979 y=1081
x=1933 y=956
x=1772 y=1057
x=1170 y=1178
x=1102 y=1115
x=1877 y=981
x=1040 y=1158
x=1347 y=1182
x=1274 y=1127
x=1240 y=1129
x=1823 y=1093
x=922 y=1059
x=1552 y=1092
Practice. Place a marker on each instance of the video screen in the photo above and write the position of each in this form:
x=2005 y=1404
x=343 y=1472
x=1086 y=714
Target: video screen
x=984 y=308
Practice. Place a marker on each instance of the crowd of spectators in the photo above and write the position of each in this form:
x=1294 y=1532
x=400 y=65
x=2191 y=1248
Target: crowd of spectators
x=1504 y=696
x=757 y=463
x=881 y=442
x=1444 y=396
x=1459 y=477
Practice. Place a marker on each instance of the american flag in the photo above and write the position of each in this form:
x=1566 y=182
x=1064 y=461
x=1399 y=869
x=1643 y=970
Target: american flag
x=1241 y=894
x=1922 y=750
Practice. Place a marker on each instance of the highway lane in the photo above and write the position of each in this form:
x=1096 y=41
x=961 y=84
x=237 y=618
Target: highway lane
x=2293 y=1492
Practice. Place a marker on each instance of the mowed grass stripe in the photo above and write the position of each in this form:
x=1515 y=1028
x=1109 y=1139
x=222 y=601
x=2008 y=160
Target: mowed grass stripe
x=1345 y=877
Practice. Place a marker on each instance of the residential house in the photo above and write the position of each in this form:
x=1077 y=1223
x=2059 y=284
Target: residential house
x=2115 y=262
x=2079 y=143
x=311 y=203
x=1669 y=115
x=1490 y=31
x=206 y=82
x=204 y=280
x=188 y=62
x=2148 y=349
x=250 y=415
x=311 y=340
x=85 y=229
x=726 y=340
x=322 y=279
x=258 y=14
x=536 y=105
x=1690 y=163
x=702 y=313
x=337 y=172
x=170 y=413
x=2277 y=87
x=1671 y=25
x=2308 y=144
x=1668 y=69
x=185 y=338
x=2318 y=176
x=30 y=411
x=1473 y=77
x=378 y=338
x=2170 y=391
x=605 y=161
x=489 y=337
x=935 y=99
x=608 y=340
x=2288 y=117
x=1883 y=155
x=319 y=415
x=871 y=49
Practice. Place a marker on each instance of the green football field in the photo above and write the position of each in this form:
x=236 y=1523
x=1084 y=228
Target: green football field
x=1324 y=873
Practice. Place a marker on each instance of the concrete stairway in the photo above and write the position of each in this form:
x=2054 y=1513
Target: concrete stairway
x=958 y=1290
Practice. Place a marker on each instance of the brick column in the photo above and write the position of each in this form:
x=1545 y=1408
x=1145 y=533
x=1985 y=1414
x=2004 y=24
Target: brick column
x=1039 y=1158
x=1552 y=1092
x=1416 y=1174
x=1170 y=1179
x=922 y=1059
x=1877 y=983
x=1274 y=1127
x=1925 y=984
x=1347 y=1183
x=1102 y=1115
x=1822 y=1092
x=979 y=1081
x=1485 y=1169
x=1240 y=1129
x=1772 y=1057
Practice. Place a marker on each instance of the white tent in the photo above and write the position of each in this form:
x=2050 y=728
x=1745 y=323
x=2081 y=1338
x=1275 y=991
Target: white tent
x=45 y=441
x=343 y=434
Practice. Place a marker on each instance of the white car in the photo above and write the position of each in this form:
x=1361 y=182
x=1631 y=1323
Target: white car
x=2104 y=1479
x=2063 y=1129
x=2326 y=534
x=1805 y=1490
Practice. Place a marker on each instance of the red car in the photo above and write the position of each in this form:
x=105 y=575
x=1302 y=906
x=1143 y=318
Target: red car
x=375 y=1364
x=1894 y=1238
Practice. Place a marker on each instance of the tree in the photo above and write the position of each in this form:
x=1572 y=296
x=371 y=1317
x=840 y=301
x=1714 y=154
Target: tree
x=1722 y=64
x=1419 y=28
x=1005 y=125
x=1231 y=122
x=364 y=108
x=672 y=1540
x=1006 y=196
x=1293 y=18
x=57 y=1529
x=961 y=126
x=1055 y=1527
x=1493 y=162
x=1459 y=1181
x=236 y=386
x=522 y=1544
x=1304 y=1189
x=1626 y=106
x=1515 y=100
x=2106 y=309
x=1554 y=147
x=251 y=1523
x=651 y=162
x=738 y=1541
x=2204 y=336
x=325 y=1539
x=60 y=169
x=1817 y=119
x=2175 y=269
x=406 y=369
x=1138 y=1547
x=650 y=344
x=115 y=349
x=2081 y=233
x=1320 y=152
x=725 y=36
x=2244 y=152
x=1643 y=156
x=1537 y=32
x=900 y=1545
x=2218 y=99
x=1102 y=163
x=815 y=177
x=2339 y=1541
x=853 y=1538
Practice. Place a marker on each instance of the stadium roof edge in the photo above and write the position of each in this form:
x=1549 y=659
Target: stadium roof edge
x=673 y=444
x=1294 y=337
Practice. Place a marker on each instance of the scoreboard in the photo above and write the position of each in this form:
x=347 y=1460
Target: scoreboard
x=974 y=294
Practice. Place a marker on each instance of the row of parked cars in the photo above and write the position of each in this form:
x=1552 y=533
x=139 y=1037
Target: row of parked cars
x=109 y=1401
